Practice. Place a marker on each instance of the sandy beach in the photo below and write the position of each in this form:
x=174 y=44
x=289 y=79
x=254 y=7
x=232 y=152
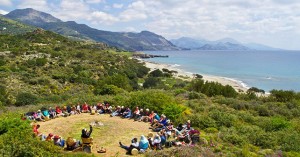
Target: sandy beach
x=238 y=86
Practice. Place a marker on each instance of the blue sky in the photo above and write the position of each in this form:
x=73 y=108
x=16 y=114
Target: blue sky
x=271 y=22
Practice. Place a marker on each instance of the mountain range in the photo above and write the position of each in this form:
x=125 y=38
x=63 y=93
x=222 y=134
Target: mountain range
x=24 y=20
x=222 y=44
x=142 y=41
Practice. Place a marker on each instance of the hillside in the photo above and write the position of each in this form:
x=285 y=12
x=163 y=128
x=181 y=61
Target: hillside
x=47 y=64
x=8 y=26
x=42 y=69
x=129 y=41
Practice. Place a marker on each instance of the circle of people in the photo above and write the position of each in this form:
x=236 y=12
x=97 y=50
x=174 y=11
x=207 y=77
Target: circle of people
x=159 y=138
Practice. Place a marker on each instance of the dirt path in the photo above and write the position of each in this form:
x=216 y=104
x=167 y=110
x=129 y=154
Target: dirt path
x=115 y=129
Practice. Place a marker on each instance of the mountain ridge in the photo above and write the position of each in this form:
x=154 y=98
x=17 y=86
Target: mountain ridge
x=142 y=41
x=221 y=44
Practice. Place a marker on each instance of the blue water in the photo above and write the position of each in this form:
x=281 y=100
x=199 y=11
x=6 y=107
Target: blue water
x=266 y=70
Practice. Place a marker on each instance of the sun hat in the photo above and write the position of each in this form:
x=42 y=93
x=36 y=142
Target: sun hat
x=56 y=137
x=134 y=152
x=189 y=121
x=150 y=135
x=147 y=109
x=50 y=135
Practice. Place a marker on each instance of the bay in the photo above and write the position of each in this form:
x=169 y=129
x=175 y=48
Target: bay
x=266 y=70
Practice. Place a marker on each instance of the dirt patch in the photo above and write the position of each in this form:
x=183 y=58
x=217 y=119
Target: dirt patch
x=114 y=129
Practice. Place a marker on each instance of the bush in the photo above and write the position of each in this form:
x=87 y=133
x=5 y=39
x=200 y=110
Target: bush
x=108 y=89
x=151 y=82
x=155 y=100
x=25 y=99
x=194 y=95
x=156 y=73
x=16 y=139
x=202 y=122
x=41 y=61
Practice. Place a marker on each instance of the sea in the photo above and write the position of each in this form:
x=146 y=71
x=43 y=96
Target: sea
x=265 y=70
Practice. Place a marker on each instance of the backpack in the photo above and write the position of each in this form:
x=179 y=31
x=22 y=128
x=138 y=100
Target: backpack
x=168 y=144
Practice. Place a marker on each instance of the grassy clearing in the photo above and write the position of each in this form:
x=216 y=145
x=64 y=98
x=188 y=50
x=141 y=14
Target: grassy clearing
x=115 y=129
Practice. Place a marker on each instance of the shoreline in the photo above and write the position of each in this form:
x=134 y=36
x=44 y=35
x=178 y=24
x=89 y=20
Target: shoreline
x=239 y=86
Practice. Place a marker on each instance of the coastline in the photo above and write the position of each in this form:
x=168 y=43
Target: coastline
x=237 y=85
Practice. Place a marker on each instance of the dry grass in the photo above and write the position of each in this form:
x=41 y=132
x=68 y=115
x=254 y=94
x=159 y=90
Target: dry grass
x=115 y=129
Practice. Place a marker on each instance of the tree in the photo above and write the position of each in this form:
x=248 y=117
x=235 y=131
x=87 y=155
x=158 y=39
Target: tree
x=151 y=82
x=25 y=99
x=156 y=73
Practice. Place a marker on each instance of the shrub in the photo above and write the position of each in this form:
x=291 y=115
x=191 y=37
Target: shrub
x=41 y=61
x=151 y=82
x=16 y=139
x=194 y=95
x=289 y=140
x=283 y=96
x=156 y=73
x=108 y=89
x=25 y=99
x=202 y=122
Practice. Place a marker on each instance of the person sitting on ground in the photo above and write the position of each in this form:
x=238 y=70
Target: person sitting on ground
x=134 y=144
x=85 y=133
x=116 y=112
x=58 y=141
x=78 y=108
x=72 y=143
x=156 y=142
x=194 y=135
x=163 y=136
x=35 y=129
x=136 y=113
x=100 y=108
x=29 y=115
x=162 y=123
x=139 y=116
x=108 y=108
x=151 y=117
x=184 y=137
x=169 y=128
x=127 y=113
x=145 y=116
x=143 y=144
x=39 y=116
x=123 y=109
x=58 y=111
x=69 y=109
x=49 y=137
x=52 y=113
x=188 y=125
x=46 y=114
x=85 y=108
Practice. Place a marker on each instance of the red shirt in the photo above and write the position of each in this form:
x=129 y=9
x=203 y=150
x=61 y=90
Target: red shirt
x=35 y=130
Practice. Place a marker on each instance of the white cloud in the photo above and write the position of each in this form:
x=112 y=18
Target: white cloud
x=3 y=12
x=5 y=3
x=40 y=5
x=72 y=10
x=102 y=17
x=244 y=20
x=135 y=11
x=94 y=1
x=118 y=6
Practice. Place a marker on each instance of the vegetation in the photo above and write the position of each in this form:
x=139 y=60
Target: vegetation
x=41 y=68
